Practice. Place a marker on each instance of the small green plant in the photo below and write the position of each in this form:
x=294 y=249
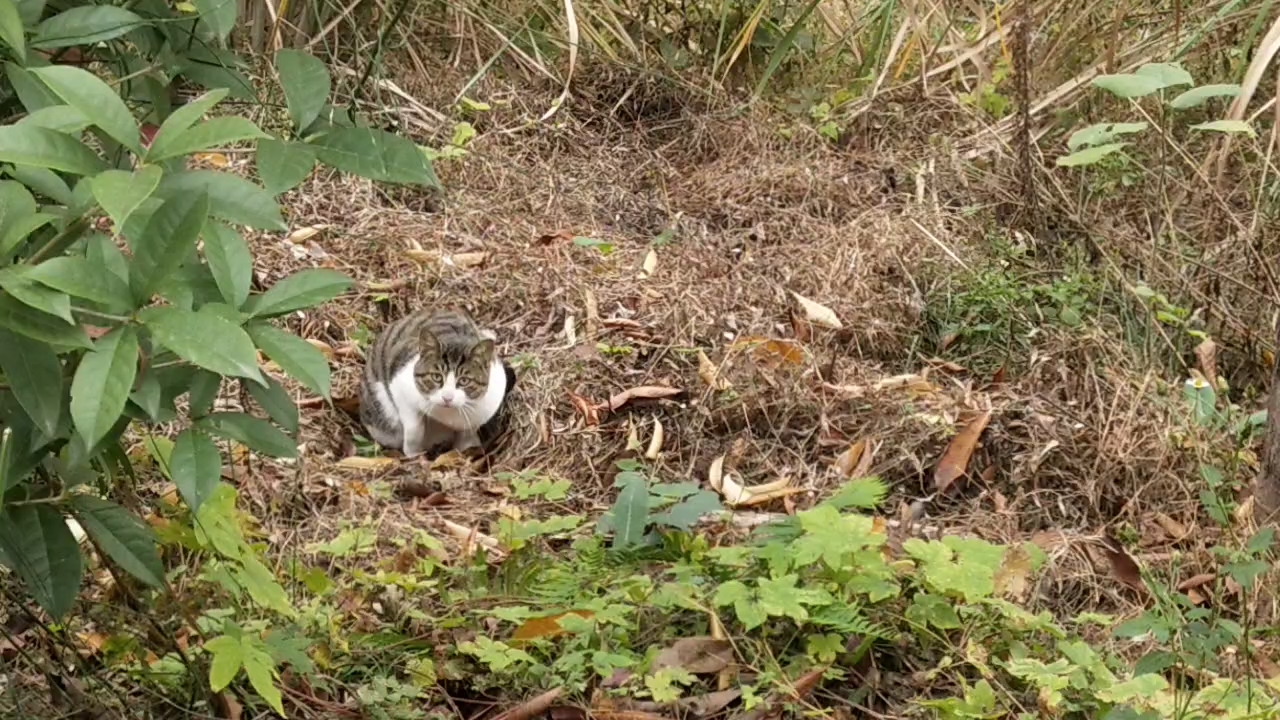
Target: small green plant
x=642 y=504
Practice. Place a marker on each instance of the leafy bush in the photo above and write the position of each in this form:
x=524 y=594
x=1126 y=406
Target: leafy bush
x=127 y=292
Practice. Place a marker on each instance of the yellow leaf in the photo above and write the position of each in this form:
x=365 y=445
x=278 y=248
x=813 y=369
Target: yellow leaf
x=304 y=234
x=356 y=462
x=217 y=160
x=650 y=265
x=186 y=7
x=710 y=374
x=818 y=314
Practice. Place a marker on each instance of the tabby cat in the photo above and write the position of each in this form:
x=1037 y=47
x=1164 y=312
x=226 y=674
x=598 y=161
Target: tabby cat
x=432 y=379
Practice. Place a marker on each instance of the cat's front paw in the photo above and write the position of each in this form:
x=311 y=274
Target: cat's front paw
x=466 y=440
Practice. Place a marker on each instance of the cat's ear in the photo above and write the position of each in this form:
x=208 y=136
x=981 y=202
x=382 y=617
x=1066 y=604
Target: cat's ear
x=482 y=353
x=428 y=343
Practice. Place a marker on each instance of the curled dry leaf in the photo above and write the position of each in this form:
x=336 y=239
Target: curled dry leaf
x=655 y=442
x=735 y=494
x=590 y=413
x=1123 y=568
x=303 y=234
x=467 y=259
x=1207 y=358
x=1174 y=529
x=709 y=704
x=956 y=459
x=848 y=460
x=771 y=352
x=470 y=537
x=1196 y=581
x=817 y=313
x=355 y=462
x=710 y=374
x=560 y=235
x=420 y=256
x=532 y=708
x=644 y=392
x=650 y=265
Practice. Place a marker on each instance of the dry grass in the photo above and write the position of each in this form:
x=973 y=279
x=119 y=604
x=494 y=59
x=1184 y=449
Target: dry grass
x=1079 y=441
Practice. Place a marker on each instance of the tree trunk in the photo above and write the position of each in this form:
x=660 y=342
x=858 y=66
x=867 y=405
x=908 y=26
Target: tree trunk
x=1266 y=493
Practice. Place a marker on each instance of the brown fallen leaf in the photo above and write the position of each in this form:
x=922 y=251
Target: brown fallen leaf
x=590 y=413
x=561 y=235
x=303 y=234
x=998 y=377
x=849 y=459
x=1123 y=568
x=545 y=627
x=215 y=160
x=355 y=462
x=227 y=707
x=1174 y=529
x=700 y=655
x=607 y=714
x=1196 y=581
x=532 y=708
x=467 y=259
x=817 y=313
x=1266 y=666
x=955 y=460
x=735 y=494
x=709 y=704
x=650 y=265
x=710 y=374
x=644 y=392
x=771 y=352
x=1011 y=577
x=1207 y=358
x=802 y=686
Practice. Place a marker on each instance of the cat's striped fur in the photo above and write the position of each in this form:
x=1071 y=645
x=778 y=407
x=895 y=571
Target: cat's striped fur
x=432 y=379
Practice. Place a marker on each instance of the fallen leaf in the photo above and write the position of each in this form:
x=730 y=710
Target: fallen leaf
x=217 y=160
x=467 y=259
x=650 y=265
x=561 y=235
x=771 y=352
x=546 y=626
x=700 y=655
x=655 y=442
x=1174 y=529
x=451 y=460
x=356 y=462
x=1196 y=581
x=644 y=392
x=608 y=714
x=710 y=374
x=735 y=494
x=818 y=314
x=593 y=314
x=471 y=537
x=421 y=256
x=848 y=460
x=303 y=234
x=1123 y=568
x=998 y=377
x=1011 y=577
x=148 y=130
x=1196 y=597
x=709 y=704
x=532 y=708
x=1050 y=540
x=90 y=643
x=590 y=413
x=947 y=365
x=1267 y=667
x=227 y=707
x=1206 y=356
x=955 y=460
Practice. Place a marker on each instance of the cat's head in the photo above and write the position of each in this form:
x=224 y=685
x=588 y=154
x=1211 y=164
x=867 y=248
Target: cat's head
x=451 y=374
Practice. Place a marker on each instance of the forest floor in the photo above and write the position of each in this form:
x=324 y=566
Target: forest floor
x=641 y=238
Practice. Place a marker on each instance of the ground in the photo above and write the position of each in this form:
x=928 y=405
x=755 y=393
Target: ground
x=611 y=246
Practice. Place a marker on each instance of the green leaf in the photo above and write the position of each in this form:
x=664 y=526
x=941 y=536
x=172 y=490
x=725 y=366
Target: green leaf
x=204 y=390
x=283 y=165
x=149 y=396
x=121 y=536
x=1169 y=74
x=20 y=230
x=195 y=466
x=227 y=659
x=41 y=326
x=34 y=375
x=211 y=133
x=103 y=382
x=16 y=204
x=104 y=253
x=216 y=75
x=1102 y=133
x=229 y=261
x=255 y=433
x=41 y=549
x=14 y=281
x=303 y=289
x=231 y=198
x=376 y=155
x=219 y=16
x=1197 y=96
x=120 y=192
x=41 y=147
x=63 y=118
x=928 y=609
x=167 y=241
x=685 y=513
x=77 y=277
x=261 y=583
x=1089 y=156
x=630 y=513
x=87 y=93
x=43 y=181
x=33 y=93
x=11 y=30
x=1129 y=86
x=1226 y=126
x=305 y=80
x=275 y=400
x=184 y=117
x=297 y=357
x=204 y=338
x=864 y=493
x=260 y=668
x=85 y=25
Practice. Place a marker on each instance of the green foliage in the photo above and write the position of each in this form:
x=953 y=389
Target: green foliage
x=102 y=334
x=641 y=504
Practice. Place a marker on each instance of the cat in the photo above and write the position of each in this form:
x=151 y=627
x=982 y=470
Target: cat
x=432 y=379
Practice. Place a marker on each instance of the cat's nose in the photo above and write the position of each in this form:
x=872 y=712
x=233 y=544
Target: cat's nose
x=447 y=398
